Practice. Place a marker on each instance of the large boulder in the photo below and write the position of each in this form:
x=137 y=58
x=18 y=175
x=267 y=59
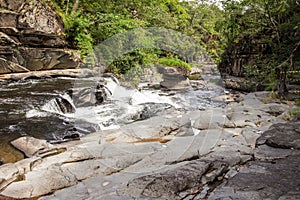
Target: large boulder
x=174 y=78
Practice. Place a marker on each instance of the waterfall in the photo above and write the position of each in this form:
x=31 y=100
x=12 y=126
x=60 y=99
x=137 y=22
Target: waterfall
x=61 y=104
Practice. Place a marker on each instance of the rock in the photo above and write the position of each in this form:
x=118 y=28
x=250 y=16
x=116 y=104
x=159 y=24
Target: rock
x=177 y=155
x=9 y=67
x=41 y=183
x=238 y=83
x=262 y=180
x=174 y=79
x=8 y=174
x=35 y=147
x=41 y=74
x=34 y=16
x=275 y=109
x=155 y=127
x=267 y=153
x=168 y=183
x=15 y=172
x=151 y=77
x=89 y=96
x=47 y=58
x=210 y=119
x=100 y=94
x=8 y=18
x=32 y=38
x=5 y=40
x=282 y=135
x=71 y=134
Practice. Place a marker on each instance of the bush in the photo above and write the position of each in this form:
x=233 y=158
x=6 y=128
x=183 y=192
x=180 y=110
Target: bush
x=175 y=62
x=77 y=30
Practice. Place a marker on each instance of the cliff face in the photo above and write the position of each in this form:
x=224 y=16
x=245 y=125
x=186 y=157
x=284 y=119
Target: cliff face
x=31 y=38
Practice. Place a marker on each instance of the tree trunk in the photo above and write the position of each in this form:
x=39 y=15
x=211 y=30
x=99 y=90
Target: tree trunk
x=67 y=9
x=75 y=6
x=281 y=77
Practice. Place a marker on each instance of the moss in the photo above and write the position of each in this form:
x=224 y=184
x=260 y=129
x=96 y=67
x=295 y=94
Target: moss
x=194 y=76
x=175 y=62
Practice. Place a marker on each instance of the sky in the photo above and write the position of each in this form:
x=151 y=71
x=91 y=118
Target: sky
x=217 y=2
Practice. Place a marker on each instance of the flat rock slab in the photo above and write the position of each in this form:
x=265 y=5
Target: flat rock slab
x=40 y=182
x=282 y=135
x=169 y=183
x=278 y=179
x=179 y=155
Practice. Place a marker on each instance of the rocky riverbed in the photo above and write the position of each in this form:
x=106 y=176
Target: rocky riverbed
x=246 y=150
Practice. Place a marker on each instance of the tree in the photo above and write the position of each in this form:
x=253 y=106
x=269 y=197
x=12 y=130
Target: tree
x=269 y=27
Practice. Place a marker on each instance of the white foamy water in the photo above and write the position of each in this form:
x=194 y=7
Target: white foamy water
x=56 y=105
x=151 y=97
x=123 y=105
x=36 y=113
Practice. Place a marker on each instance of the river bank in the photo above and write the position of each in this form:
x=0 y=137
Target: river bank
x=207 y=154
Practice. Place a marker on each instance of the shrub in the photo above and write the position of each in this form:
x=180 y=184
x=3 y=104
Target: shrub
x=175 y=62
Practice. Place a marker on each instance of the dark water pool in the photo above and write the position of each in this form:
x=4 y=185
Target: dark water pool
x=16 y=99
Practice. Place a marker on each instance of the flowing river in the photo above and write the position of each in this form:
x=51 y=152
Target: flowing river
x=60 y=109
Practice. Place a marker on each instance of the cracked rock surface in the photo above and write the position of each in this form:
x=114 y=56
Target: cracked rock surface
x=244 y=151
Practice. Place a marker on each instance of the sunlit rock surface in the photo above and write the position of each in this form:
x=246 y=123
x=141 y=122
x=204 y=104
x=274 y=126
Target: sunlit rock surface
x=154 y=159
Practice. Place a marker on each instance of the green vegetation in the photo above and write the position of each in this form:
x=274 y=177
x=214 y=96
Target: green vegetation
x=175 y=62
x=268 y=33
x=263 y=35
x=89 y=23
x=295 y=111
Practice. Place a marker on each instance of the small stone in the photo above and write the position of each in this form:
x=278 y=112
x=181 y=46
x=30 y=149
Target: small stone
x=105 y=184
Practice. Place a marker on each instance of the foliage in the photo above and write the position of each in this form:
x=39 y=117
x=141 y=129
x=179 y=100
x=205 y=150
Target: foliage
x=77 y=30
x=175 y=62
x=268 y=29
x=88 y=23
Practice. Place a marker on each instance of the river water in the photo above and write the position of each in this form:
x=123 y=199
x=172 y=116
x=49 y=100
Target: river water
x=45 y=109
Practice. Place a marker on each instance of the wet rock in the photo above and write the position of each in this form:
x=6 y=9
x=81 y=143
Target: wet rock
x=100 y=94
x=35 y=147
x=59 y=104
x=89 y=96
x=71 y=134
x=152 y=109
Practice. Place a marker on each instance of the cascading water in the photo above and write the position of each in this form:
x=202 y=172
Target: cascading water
x=60 y=109
x=62 y=104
